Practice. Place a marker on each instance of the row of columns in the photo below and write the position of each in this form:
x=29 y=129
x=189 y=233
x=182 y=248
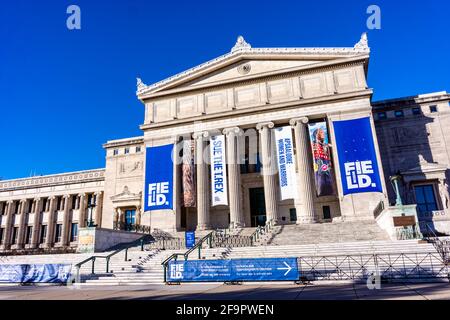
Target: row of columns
x=37 y=208
x=304 y=202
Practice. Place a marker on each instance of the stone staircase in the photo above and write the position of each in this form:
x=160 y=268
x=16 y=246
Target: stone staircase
x=348 y=231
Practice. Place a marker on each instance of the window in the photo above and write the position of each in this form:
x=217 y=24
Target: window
x=58 y=233
x=2 y=234
x=382 y=116
x=425 y=198
x=293 y=214
x=74 y=232
x=130 y=217
x=326 y=212
x=15 y=235
x=416 y=111
x=43 y=235
x=398 y=113
x=127 y=150
x=2 y=208
x=28 y=235
x=433 y=109
x=116 y=152
x=138 y=149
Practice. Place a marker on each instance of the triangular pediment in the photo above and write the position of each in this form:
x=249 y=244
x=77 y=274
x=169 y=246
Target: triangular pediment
x=244 y=62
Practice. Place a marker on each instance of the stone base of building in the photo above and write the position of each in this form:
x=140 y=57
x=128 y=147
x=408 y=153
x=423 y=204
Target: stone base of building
x=97 y=239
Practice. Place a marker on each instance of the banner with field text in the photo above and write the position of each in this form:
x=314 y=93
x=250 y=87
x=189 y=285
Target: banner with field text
x=159 y=178
x=321 y=153
x=285 y=160
x=219 y=186
x=357 y=157
x=188 y=175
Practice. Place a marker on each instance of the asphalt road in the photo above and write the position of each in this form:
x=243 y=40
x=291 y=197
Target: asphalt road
x=314 y=291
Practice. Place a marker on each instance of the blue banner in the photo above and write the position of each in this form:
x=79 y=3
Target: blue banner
x=159 y=178
x=190 y=239
x=34 y=273
x=263 y=269
x=357 y=158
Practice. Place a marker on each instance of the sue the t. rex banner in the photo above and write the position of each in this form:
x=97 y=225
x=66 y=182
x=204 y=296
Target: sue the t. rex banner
x=323 y=171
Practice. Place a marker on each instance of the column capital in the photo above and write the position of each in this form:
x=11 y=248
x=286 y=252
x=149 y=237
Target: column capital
x=37 y=199
x=232 y=130
x=293 y=122
x=10 y=202
x=98 y=193
x=200 y=135
x=23 y=200
x=262 y=125
x=83 y=194
x=66 y=196
x=52 y=198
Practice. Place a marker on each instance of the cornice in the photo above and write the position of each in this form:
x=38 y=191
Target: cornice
x=53 y=180
x=242 y=50
x=260 y=77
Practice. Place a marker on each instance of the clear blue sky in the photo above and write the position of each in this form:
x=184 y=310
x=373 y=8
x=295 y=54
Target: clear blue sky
x=64 y=93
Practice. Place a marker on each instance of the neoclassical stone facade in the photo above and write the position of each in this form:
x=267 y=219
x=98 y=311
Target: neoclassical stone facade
x=244 y=95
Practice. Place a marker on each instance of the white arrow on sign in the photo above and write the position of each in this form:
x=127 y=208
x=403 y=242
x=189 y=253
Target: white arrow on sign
x=289 y=268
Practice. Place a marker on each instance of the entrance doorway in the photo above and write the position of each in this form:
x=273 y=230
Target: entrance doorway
x=257 y=207
x=130 y=217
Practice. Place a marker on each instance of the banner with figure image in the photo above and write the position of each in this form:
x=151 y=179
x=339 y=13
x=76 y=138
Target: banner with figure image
x=285 y=160
x=159 y=178
x=323 y=173
x=357 y=157
x=219 y=186
x=188 y=175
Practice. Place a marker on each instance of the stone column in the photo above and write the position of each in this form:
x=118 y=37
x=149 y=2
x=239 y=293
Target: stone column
x=305 y=182
x=51 y=222
x=202 y=181
x=36 y=223
x=98 y=208
x=82 y=211
x=237 y=219
x=9 y=224
x=22 y=221
x=66 y=221
x=268 y=171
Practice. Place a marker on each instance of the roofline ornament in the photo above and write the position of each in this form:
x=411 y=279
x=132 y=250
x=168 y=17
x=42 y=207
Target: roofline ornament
x=241 y=44
x=363 y=43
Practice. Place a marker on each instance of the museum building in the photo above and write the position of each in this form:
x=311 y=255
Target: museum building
x=256 y=136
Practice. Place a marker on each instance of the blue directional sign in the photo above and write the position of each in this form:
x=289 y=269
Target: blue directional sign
x=190 y=239
x=263 y=269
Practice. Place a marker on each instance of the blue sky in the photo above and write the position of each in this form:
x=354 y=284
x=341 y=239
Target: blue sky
x=64 y=93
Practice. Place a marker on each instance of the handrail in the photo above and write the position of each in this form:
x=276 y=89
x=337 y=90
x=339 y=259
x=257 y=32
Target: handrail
x=198 y=246
x=125 y=247
x=440 y=246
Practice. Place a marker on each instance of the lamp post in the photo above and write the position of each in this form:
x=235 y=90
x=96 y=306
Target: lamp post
x=394 y=181
x=91 y=206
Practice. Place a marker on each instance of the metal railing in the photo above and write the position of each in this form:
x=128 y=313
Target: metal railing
x=378 y=209
x=409 y=233
x=441 y=246
x=428 y=265
x=198 y=246
x=260 y=231
x=119 y=225
x=123 y=247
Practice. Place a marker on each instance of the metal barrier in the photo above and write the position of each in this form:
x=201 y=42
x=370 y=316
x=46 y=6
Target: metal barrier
x=388 y=266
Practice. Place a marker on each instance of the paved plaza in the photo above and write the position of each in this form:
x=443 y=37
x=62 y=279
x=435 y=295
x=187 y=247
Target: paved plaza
x=325 y=291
